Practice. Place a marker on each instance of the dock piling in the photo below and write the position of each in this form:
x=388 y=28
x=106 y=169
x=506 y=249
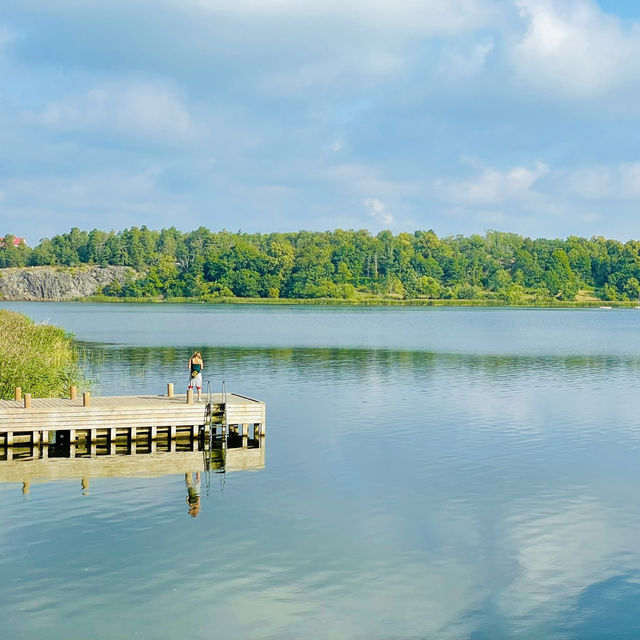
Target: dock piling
x=91 y=430
x=189 y=396
x=18 y=394
x=72 y=392
x=170 y=390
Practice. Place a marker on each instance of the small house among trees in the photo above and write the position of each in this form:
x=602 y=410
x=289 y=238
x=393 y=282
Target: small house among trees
x=16 y=241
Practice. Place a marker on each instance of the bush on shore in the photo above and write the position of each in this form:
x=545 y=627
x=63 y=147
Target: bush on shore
x=37 y=357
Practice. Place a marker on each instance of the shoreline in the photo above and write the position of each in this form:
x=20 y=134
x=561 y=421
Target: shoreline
x=367 y=302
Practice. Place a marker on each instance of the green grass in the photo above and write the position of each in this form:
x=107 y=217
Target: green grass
x=525 y=302
x=39 y=358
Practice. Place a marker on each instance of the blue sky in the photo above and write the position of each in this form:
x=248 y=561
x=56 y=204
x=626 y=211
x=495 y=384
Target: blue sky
x=278 y=115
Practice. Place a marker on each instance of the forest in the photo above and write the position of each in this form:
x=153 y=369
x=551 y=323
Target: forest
x=505 y=268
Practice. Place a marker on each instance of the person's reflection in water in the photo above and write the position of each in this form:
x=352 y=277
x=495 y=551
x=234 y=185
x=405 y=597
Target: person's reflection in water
x=193 y=492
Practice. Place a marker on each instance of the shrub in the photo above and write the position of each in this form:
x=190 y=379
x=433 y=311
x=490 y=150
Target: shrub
x=37 y=357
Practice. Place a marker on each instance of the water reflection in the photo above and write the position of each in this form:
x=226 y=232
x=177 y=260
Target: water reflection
x=30 y=464
x=409 y=494
x=137 y=366
x=461 y=495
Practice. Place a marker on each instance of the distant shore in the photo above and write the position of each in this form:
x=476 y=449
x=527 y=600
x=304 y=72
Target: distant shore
x=318 y=268
x=365 y=302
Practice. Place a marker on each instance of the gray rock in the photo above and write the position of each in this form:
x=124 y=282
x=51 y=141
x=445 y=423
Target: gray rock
x=57 y=283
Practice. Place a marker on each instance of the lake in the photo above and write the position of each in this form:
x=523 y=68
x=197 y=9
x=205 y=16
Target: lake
x=428 y=472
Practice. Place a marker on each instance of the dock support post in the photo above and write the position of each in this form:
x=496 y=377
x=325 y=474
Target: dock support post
x=8 y=441
x=245 y=435
x=72 y=392
x=189 y=396
x=170 y=390
x=172 y=438
x=112 y=441
x=35 y=438
x=133 y=434
x=153 y=434
x=86 y=399
x=27 y=401
x=18 y=394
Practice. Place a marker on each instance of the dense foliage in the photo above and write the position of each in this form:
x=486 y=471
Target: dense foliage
x=39 y=358
x=346 y=264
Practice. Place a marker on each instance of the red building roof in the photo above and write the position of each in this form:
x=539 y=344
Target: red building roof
x=16 y=241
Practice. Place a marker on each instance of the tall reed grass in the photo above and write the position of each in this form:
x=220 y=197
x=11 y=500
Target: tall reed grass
x=40 y=358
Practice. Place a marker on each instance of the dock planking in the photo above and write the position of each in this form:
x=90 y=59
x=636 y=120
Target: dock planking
x=46 y=415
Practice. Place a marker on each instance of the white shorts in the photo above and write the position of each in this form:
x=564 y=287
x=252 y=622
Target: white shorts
x=196 y=382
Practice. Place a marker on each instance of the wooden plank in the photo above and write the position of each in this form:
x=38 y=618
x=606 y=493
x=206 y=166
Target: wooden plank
x=55 y=414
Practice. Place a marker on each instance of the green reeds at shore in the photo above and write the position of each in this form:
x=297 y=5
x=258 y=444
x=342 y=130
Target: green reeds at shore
x=39 y=358
x=370 y=301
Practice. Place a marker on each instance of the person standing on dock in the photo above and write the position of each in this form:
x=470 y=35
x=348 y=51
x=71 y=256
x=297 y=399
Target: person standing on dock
x=195 y=373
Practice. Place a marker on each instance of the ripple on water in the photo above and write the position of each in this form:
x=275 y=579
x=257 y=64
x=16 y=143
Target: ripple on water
x=487 y=493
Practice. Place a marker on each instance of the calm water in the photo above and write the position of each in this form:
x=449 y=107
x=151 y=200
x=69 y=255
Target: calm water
x=430 y=473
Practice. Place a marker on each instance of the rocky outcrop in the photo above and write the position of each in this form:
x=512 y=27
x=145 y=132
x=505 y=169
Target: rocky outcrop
x=57 y=283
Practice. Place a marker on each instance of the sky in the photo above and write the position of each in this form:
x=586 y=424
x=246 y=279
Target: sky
x=280 y=115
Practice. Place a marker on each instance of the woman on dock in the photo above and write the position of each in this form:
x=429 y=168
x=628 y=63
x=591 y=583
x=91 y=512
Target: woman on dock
x=195 y=373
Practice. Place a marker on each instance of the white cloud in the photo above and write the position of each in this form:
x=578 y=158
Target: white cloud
x=572 y=48
x=378 y=210
x=354 y=65
x=493 y=186
x=403 y=17
x=457 y=62
x=138 y=109
x=621 y=182
x=364 y=180
x=584 y=200
x=337 y=144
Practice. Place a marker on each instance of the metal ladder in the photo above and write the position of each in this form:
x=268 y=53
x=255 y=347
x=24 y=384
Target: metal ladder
x=214 y=421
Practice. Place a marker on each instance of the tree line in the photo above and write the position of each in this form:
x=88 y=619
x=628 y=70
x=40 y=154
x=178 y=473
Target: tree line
x=505 y=267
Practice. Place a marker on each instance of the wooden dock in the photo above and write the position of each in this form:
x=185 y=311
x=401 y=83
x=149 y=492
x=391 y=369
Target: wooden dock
x=39 y=420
